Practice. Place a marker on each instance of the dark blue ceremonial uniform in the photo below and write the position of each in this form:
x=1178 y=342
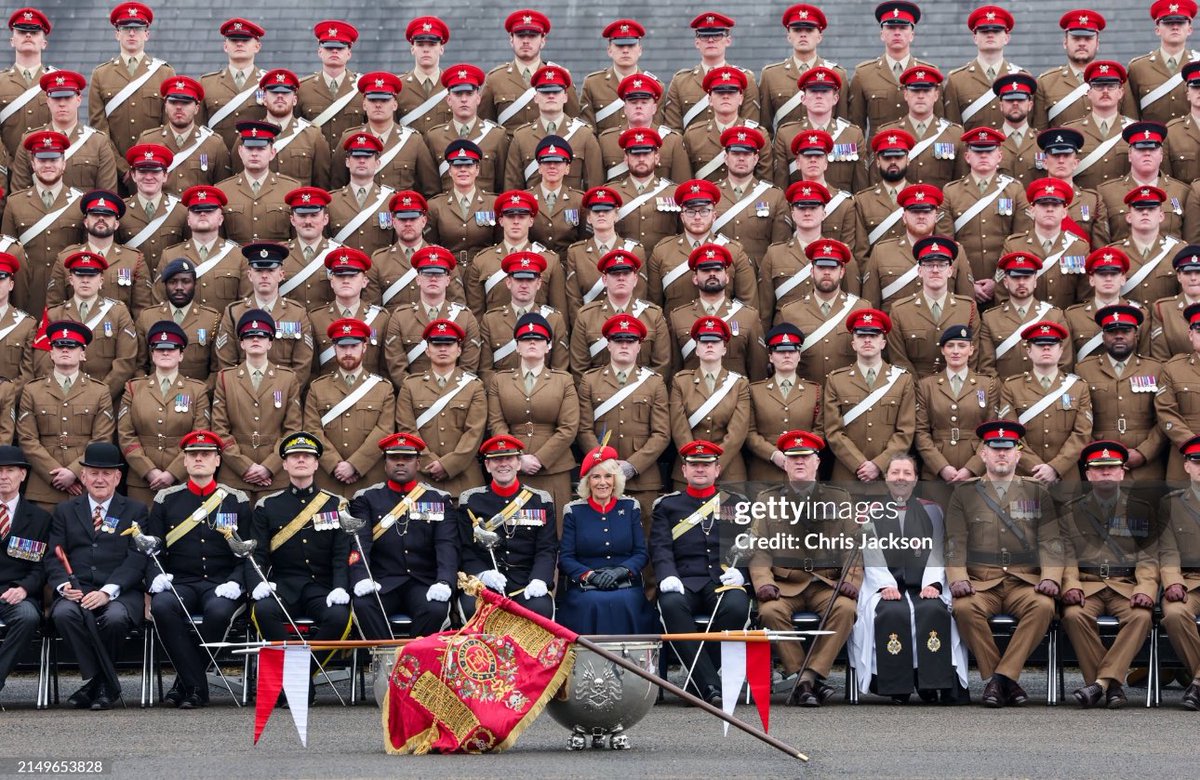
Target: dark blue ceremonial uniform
x=305 y=568
x=199 y=561
x=22 y=551
x=418 y=550
x=528 y=546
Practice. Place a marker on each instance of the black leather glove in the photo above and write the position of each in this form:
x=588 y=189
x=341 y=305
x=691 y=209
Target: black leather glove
x=604 y=579
x=623 y=575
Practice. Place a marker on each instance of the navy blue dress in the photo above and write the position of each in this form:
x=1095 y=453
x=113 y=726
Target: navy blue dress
x=595 y=537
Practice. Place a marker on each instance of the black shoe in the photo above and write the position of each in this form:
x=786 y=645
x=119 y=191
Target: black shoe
x=1191 y=696
x=192 y=701
x=712 y=695
x=1089 y=695
x=904 y=699
x=1015 y=693
x=104 y=701
x=175 y=696
x=993 y=692
x=1114 y=697
x=950 y=697
x=82 y=698
x=805 y=697
x=823 y=691
x=928 y=695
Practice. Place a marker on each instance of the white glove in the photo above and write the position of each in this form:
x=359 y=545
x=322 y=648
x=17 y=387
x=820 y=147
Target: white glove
x=732 y=577
x=536 y=589
x=671 y=585
x=337 y=596
x=438 y=591
x=161 y=582
x=364 y=587
x=262 y=590
x=229 y=590
x=494 y=580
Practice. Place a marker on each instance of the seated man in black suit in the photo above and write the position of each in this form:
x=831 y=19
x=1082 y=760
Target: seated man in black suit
x=108 y=570
x=24 y=529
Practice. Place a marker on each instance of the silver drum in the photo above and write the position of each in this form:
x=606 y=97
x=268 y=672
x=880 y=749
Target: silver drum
x=601 y=700
x=383 y=659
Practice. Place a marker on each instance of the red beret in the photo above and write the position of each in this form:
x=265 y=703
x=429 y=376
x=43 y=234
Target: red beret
x=919 y=75
x=603 y=197
x=1173 y=10
x=618 y=260
x=595 y=456
x=983 y=138
x=918 y=195
x=550 y=76
x=85 y=261
x=524 y=264
x=461 y=74
x=892 y=140
x=812 y=139
x=635 y=139
x=515 y=201
x=363 y=142
x=9 y=264
x=1147 y=196
x=434 y=256
x=1049 y=188
x=807 y=193
x=827 y=249
x=1023 y=263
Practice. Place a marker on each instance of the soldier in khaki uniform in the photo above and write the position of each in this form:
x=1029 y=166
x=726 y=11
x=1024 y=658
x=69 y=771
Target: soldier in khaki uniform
x=751 y=211
x=668 y=285
x=648 y=213
x=1148 y=73
x=745 y=351
x=464 y=85
x=459 y=219
x=1086 y=214
x=349 y=410
x=516 y=211
x=963 y=100
x=1168 y=330
x=419 y=104
x=986 y=206
x=524 y=274
x=950 y=406
x=392 y=278
x=42 y=218
x=1148 y=247
x=877 y=208
x=935 y=155
x=1106 y=270
x=153 y=218
x=220 y=277
x=17 y=328
x=292 y=347
x=1178 y=553
x=847 y=164
x=507 y=97
x=1000 y=349
x=618 y=280
x=328 y=98
x=256 y=210
x=140 y=109
x=301 y=150
x=805 y=25
x=1175 y=400
x=918 y=320
x=201 y=157
x=405 y=162
x=778 y=404
x=583 y=276
x=19 y=84
x=1061 y=96
x=405 y=348
x=346 y=269
x=1181 y=147
x=126 y=277
x=254 y=403
x=93 y=160
x=687 y=95
x=305 y=279
x=874 y=97
x=1021 y=157
x=231 y=94
x=820 y=313
x=59 y=415
x=1055 y=406
x=711 y=402
x=114 y=350
x=446 y=405
x=156 y=411
x=1104 y=154
x=557 y=223
x=552 y=85
x=198 y=322
x=538 y=405
x=1003 y=555
x=601 y=100
x=1123 y=384
x=626 y=403
x=706 y=142
x=1111 y=569
x=640 y=95
x=1061 y=252
x=359 y=214
x=890 y=274
x=1146 y=154
x=862 y=435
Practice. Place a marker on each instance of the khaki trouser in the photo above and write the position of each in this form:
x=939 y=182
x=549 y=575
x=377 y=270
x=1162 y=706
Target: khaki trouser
x=1080 y=624
x=777 y=615
x=1015 y=597
x=1179 y=619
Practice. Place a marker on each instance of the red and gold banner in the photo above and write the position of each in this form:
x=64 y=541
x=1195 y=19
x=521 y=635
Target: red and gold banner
x=476 y=690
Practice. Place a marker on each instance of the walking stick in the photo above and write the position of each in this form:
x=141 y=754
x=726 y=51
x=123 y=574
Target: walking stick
x=89 y=620
x=351 y=525
x=152 y=546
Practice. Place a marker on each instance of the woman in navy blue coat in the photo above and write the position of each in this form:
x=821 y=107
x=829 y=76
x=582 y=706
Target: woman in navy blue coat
x=602 y=554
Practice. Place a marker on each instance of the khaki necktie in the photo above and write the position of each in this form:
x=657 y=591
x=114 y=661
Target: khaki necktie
x=150 y=209
x=5 y=522
x=464 y=207
x=711 y=381
x=177 y=315
x=1119 y=368
x=897 y=69
x=1104 y=128
x=1046 y=245
x=239 y=79
x=433 y=313
x=530 y=379
x=309 y=252
x=920 y=128
x=991 y=74
x=1018 y=138
x=1021 y=310
x=870 y=377
x=97 y=518
x=737 y=192
x=463 y=131
x=956 y=384
x=333 y=86
x=47 y=198
x=1000 y=493
x=164 y=386
x=1172 y=64
x=28 y=74
x=256 y=378
x=350 y=378
x=441 y=382
x=550 y=127
x=361 y=195
x=551 y=199
x=254 y=187
x=202 y=251
x=825 y=309
x=520 y=311
x=983 y=187
x=131 y=66
x=785 y=387
x=525 y=74
x=83 y=311
x=181 y=140
x=1045 y=383
x=621 y=378
x=66 y=385
x=936 y=310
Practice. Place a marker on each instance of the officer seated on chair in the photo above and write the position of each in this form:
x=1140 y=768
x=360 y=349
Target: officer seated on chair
x=514 y=546
x=690 y=534
x=301 y=547
x=208 y=579
x=411 y=543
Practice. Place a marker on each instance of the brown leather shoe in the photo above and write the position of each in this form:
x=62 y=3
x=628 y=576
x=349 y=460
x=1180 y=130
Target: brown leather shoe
x=1015 y=693
x=1191 y=696
x=805 y=697
x=1115 y=697
x=993 y=693
x=1089 y=695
